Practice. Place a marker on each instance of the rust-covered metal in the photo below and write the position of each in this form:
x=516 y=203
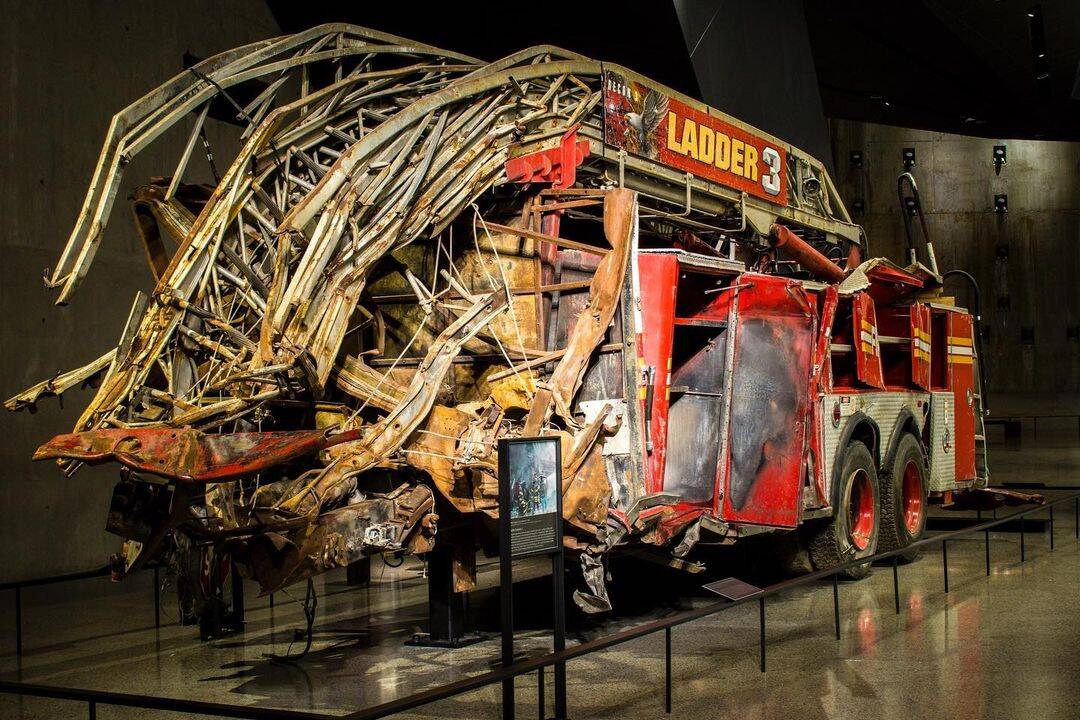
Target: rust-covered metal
x=188 y=455
x=414 y=254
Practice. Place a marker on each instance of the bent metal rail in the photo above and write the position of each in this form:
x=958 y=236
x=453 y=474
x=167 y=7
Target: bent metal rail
x=93 y=698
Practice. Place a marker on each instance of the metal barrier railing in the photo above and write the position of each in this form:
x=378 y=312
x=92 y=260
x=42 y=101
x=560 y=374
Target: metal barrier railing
x=17 y=587
x=538 y=663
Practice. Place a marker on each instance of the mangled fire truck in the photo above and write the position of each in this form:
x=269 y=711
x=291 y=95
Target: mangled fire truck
x=415 y=253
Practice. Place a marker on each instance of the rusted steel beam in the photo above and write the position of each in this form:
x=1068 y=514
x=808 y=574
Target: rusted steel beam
x=61 y=382
x=452 y=293
x=542 y=237
x=620 y=222
x=188 y=455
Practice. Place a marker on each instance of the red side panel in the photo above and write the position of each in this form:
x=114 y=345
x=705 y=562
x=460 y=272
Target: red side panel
x=920 y=345
x=865 y=340
x=769 y=402
x=962 y=382
x=819 y=384
x=659 y=276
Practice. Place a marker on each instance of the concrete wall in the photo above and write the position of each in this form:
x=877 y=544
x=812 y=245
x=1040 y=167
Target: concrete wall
x=1027 y=262
x=67 y=68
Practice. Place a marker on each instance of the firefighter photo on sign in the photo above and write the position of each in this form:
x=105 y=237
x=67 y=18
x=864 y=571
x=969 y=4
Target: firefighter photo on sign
x=530 y=498
x=533 y=482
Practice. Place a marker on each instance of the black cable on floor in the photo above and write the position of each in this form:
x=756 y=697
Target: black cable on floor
x=311 y=602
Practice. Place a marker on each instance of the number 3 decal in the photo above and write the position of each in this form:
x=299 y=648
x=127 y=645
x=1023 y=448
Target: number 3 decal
x=771 y=181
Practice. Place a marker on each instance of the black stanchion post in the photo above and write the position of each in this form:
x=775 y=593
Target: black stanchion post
x=237 y=585
x=945 y=563
x=540 y=694
x=18 y=621
x=1021 y=538
x=987 y=545
x=667 y=670
x=1051 y=527
x=559 y=617
x=761 y=629
x=91 y=710
x=895 y=585
x=836 y=605
x=1076 y=524
x=157 y=599
x=506 y=590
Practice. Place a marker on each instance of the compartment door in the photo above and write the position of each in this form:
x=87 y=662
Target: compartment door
x=768 y=403
x=865 y=339
x=696 y=401
x=962 y=383
x=920 y=345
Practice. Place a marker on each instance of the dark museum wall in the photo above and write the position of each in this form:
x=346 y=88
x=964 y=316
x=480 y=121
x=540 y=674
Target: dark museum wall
x=1026 y=261
x=67 y=68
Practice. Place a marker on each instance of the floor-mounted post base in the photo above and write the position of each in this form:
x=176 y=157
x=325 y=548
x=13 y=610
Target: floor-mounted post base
x=446 y=608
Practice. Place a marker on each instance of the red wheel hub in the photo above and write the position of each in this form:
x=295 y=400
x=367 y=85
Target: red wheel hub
x=860 y=511
x=911 y=498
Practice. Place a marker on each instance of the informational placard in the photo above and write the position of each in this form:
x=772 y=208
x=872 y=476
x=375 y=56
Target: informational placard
x=530 y=497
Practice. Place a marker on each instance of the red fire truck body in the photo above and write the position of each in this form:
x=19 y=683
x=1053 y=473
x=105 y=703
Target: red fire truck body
x=757 y=384
x=840 y=405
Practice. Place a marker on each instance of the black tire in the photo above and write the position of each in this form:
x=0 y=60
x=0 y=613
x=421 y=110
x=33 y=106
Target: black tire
x=904 y=498
x=852 y=532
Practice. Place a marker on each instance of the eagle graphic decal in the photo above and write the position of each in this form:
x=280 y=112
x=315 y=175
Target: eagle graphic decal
x=634 y=116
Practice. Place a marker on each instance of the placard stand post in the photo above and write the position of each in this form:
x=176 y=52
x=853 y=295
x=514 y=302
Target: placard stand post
x=530 y=523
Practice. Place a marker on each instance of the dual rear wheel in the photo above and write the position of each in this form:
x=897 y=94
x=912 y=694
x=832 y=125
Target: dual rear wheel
x=904 y=498
x=875 y=512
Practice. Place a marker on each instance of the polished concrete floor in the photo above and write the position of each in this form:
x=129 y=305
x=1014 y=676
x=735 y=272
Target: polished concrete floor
x=1007 y=646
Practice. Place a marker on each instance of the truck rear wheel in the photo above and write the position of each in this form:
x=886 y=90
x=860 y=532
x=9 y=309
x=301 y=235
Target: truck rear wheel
x=852 y=532
x=904 y=498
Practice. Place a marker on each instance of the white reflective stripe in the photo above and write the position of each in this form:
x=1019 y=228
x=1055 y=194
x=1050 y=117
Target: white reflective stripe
x=868 y=338
x=922 y=345
x=959 y=350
